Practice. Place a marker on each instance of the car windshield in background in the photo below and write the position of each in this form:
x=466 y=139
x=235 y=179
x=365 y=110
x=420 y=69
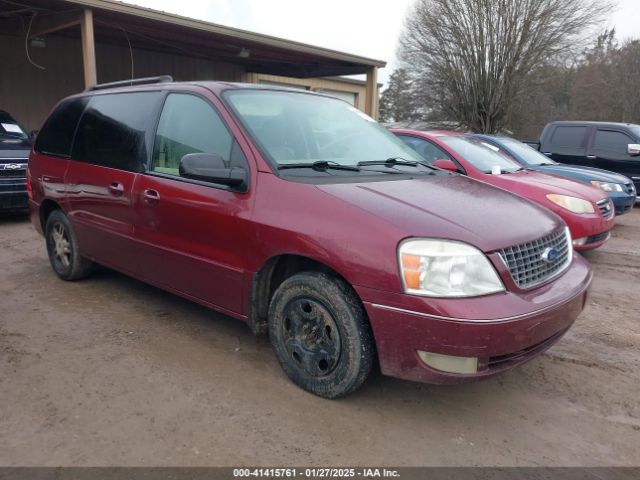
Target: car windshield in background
x=526 y=153
x=481 y=155
x=301 y=129
x=9 y=128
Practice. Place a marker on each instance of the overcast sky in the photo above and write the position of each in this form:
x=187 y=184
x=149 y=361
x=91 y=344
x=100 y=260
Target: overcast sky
x=365 y=27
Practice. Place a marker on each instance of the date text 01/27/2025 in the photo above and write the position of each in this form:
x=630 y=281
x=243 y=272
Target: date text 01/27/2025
x=315 y=473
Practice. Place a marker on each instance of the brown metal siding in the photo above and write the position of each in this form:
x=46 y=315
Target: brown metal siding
x=29 y=93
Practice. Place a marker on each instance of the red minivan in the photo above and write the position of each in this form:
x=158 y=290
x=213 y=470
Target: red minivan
x=588 y=211
x=303 y=217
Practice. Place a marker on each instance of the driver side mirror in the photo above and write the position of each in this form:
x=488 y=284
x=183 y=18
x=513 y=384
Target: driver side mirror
x=210 y=167
x=446 y=164
x=633 y=149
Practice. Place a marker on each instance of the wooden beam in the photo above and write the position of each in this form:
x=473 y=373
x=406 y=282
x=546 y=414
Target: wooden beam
x=371 y=93
x=88 y=49
x=52 y=23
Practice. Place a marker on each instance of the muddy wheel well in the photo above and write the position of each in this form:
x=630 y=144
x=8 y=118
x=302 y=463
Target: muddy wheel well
x=265 y=282
x=46 y=208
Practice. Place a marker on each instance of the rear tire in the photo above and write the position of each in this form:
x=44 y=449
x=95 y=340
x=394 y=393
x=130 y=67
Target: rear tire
x=63 y=250
x=320 y=334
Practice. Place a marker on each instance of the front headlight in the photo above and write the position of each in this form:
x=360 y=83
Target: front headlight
x=607 y=186
x=573 y=204
x=444 y=268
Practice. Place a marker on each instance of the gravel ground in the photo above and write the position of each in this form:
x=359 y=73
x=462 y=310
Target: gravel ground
x=110 y=371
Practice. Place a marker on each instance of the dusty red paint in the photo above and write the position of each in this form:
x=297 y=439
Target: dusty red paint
x=207 y=244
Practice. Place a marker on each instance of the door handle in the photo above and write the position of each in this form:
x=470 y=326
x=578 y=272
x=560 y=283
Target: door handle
x=591 y=157
x=116 y=188
x=151 y=195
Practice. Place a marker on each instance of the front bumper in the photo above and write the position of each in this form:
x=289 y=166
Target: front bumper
x=502 y=330
x=13 y=192
x=622 y=202
x=594 y=228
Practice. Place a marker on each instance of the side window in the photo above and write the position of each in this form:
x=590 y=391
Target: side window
x=612 y=143
x=569 y=140
x=188 y=124
x=116 y=129
x=425 y=149
x=57 y=133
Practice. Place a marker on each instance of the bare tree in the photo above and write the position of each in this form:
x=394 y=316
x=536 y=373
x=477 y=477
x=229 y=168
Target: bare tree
x=607 y=85
x=471 y=58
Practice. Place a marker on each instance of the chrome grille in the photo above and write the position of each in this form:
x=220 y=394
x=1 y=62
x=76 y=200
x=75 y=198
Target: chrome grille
x=13 y=168
x=531 y=263
x=604 y=206
x=13 y=173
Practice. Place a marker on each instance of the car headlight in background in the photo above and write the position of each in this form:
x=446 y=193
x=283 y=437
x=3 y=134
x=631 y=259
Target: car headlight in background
x=607 y=186
x=573 y=204
x=443 y=268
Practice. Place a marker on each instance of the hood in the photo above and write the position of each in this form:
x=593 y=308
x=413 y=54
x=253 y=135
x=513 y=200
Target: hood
x=14 y=149
x=525 y=182
x=585 y=173
x=450 y=206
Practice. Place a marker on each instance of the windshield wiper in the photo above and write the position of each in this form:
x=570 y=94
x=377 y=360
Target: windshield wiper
x=504 y=172
x=320 y=165
x=393 y=161
x=390 y=162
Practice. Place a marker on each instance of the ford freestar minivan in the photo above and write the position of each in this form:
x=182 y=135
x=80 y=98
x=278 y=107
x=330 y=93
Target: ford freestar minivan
x=301 y=216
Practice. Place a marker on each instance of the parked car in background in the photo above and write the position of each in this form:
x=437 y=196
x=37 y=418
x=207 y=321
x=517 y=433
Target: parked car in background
x=609 y=146
x=620 y=189
x=587 y=210
x=292 y=211
x=15 y=144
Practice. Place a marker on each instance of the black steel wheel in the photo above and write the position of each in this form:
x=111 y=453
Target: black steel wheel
x=311 y=336
x=320 y=334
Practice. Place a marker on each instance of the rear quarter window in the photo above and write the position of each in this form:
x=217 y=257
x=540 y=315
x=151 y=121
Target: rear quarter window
x=116 y=130
x=569 y=140
x=56 y=136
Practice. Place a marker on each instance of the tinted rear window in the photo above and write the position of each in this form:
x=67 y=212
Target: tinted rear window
x=56 y=135
x=116 y=130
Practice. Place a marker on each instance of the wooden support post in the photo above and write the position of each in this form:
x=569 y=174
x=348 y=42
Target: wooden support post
x=88 y=49
x=371 y=93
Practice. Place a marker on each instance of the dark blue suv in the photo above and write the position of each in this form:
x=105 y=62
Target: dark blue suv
x=619 y=188
x=15 y=145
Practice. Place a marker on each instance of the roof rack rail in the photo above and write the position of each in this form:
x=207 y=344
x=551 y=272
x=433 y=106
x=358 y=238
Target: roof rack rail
x=131 y=82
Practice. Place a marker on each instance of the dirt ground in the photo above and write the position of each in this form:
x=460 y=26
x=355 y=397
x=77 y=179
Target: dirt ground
x=110 y=371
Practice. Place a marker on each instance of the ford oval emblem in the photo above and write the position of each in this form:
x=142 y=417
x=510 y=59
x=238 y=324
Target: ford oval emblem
x=550 y=255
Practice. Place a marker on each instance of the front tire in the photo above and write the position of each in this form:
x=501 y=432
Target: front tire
x=320 y=334
x=63 y=250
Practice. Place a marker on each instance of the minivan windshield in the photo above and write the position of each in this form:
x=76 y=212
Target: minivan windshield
x=302 y=129
x=9 y=128
x=480 y=154
x=527 y=154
